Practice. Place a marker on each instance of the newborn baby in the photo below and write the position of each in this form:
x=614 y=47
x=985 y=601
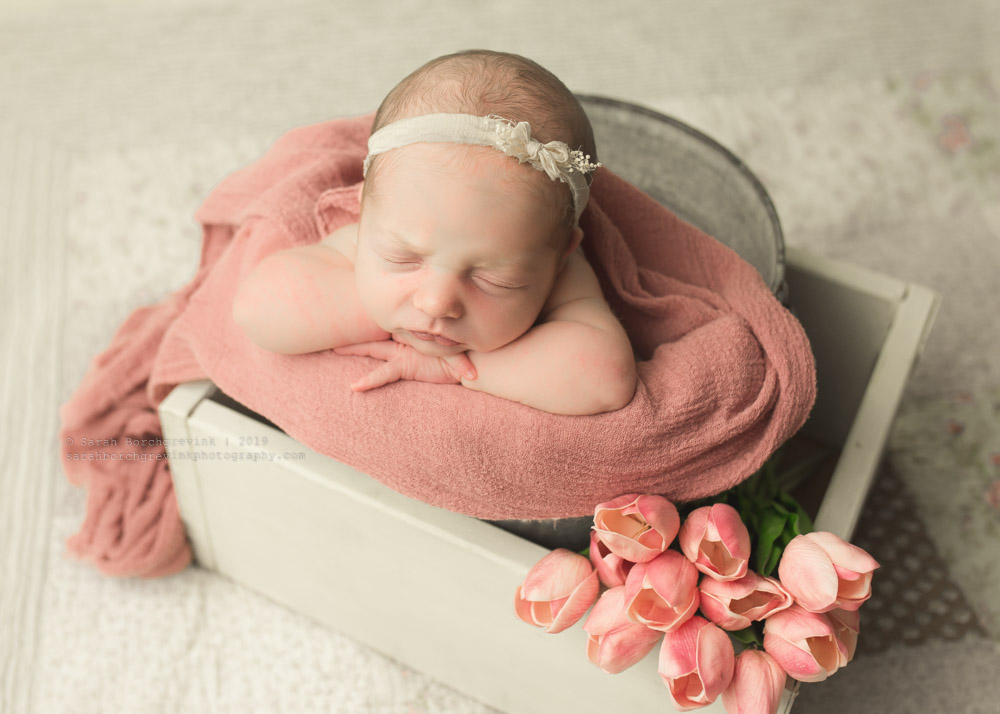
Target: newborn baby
x=464 y=266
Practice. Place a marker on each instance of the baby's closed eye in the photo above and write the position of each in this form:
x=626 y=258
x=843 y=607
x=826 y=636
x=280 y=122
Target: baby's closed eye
x=490 y=282
x=400 y=259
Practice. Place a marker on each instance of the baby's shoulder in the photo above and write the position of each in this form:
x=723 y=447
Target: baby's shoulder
x=344 y=240
x=576 y=280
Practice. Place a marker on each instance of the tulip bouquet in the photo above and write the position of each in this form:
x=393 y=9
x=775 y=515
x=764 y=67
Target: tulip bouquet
x=801 y=624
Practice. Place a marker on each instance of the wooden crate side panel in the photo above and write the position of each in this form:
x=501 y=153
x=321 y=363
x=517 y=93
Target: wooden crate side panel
x=174 y=412
x=338 y=546
x=846 y=317
x=428 y=587
x=865 y=443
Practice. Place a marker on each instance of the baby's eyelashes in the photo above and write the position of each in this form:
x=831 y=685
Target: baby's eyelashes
x=486 y=282
x=492 y=284
x=401 y=260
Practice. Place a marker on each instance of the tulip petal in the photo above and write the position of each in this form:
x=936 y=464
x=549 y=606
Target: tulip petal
x=717 y=562
x=522 y=608
x=780 y=600
x=577 y=604
x=619 y=502
x=756 y=686
x=695 y=663
x=807 y=573
x=626 y=646
x=715 y=660
x=611 y=569
x=615 y=643
x=625 y=547
x=556 y=575
x=687 y=693
x=630 y=525
x=843 y=553
x=798 y=663
x=846 y=625
x=594 y=649
x=796 y=623
x=678 y=653
x=608 y=613
x=662 y=516
x=719 y=613
x=673 y=577
x=829 y=652
x=666 y=610
x=692 y=531
x=731 y=589
x=732 y=531
x=803 y=643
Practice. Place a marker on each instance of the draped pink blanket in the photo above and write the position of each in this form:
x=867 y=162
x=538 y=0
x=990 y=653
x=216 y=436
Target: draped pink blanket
x=725 y=374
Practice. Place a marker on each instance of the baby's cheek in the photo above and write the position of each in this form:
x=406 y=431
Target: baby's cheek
x=381 y=293
x=505 y=323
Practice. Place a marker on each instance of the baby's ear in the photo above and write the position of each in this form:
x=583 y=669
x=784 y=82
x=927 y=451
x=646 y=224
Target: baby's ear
x=574 y=241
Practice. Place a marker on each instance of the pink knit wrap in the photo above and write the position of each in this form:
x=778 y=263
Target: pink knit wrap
x=726 y=373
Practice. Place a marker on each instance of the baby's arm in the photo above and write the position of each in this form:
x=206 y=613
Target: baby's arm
x=576 y=360
x=304 y=299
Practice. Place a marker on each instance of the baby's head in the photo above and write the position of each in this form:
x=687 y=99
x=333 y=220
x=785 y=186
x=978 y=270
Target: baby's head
x=458 y=238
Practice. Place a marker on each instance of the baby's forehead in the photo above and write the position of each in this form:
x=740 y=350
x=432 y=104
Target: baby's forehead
x=421 y=156
x=401 y=167
x=417 y=175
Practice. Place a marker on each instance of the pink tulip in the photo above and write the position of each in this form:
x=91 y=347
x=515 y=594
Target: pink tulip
x=696 y=663
x=715 y=539
x=610 y=568
x=734 y=604
x=823 y=572
x=636 y=528
x=804 y=644
x=614 y=642
x=757 y=684
x=662 y=593
x=846 y=626
x=558 y=589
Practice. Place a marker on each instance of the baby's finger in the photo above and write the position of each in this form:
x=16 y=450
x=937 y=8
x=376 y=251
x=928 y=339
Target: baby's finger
x=462 y=366
x=383 y=349
x=382 y=375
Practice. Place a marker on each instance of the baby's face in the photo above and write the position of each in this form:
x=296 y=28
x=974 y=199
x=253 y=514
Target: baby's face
x=455 y=247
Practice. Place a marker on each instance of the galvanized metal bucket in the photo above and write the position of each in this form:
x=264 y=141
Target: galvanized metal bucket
x=703 y=183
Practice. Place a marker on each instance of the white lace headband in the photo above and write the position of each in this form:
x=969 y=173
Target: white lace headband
x=555 y=158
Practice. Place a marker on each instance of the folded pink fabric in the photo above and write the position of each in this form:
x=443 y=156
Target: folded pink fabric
x=726 y=374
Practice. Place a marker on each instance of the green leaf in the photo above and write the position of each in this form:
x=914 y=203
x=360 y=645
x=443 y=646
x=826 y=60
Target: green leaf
x=771 y=526
x=793 y=521
x=805 y=522
x=786 y=537
x=772 y=562
x=787 y=500
x=747 y=636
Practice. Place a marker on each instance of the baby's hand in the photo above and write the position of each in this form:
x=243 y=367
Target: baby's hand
x=404 y=362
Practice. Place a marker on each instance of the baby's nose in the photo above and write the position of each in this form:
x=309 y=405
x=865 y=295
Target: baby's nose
x=439 y=296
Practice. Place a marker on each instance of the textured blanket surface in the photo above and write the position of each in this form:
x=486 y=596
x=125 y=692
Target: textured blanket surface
x=725 y=372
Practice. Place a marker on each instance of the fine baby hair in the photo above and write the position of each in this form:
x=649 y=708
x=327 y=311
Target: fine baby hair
x=494 y=99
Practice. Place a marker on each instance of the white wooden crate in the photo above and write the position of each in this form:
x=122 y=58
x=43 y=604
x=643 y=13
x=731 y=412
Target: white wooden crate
x=434 y=589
